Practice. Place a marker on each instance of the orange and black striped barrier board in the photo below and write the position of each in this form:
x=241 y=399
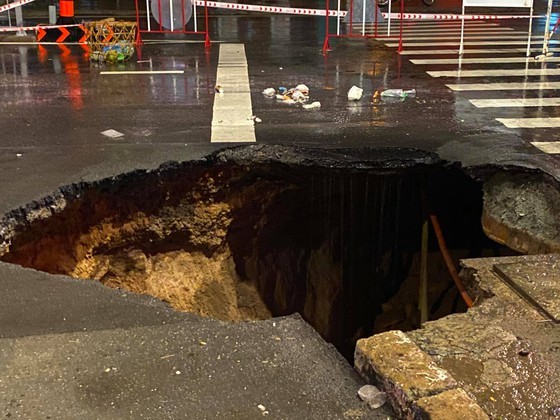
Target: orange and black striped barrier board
x=62 y=34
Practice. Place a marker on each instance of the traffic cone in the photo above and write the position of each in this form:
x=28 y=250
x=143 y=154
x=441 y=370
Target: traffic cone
x=66 y=12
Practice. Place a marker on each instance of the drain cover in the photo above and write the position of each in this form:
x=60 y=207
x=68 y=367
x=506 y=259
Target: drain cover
x=536 y=282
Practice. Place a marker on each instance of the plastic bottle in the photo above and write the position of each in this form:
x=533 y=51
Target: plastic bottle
x=398 y=93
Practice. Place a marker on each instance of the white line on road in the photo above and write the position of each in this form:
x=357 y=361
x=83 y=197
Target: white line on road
x=552 y=122
x=396 y=28
x=143 y=72
x=515 y=103
x=466 y=52
x=476 y=51
x=495 y=73
x=465 y=87
x=485 y=60
x=436 y=44
x=551 y=147
x=231 y=121
x=467 y=37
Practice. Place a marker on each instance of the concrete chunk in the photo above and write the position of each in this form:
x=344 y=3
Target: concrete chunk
x=398 y=365
x=449 y=405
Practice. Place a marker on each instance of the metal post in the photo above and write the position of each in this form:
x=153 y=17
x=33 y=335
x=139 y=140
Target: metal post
x=171 y=17
x=423 y=287
x=462 y=29
x=338 y=19
x=363 y=17
x=531 y=31
x=19 y=21
x=547 y=28
x=148 y=18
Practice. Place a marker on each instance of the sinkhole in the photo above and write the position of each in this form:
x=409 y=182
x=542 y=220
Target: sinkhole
x=254 y=232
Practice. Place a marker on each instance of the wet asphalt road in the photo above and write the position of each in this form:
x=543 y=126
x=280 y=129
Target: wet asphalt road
x=55 y=104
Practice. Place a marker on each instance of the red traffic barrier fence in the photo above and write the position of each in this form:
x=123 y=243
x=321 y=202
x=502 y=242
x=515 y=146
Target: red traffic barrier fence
x=170 y=16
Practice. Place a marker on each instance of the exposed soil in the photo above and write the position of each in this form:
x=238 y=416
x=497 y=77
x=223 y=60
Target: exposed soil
x=255 y=232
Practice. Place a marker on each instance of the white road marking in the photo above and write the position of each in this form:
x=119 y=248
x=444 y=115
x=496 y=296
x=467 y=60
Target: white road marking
x=467 y=37
x=455 y=52
x=435 y=43
x=495 y=73
x=551 y=147
x=514 y=103
x=552 y=122
x=439 y=25
x=485 y=60
x=143 y=72
x=465 y=87
x=440 y=29
x=231 y=121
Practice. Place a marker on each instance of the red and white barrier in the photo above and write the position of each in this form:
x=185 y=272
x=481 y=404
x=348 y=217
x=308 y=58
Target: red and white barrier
x=168 y=5
x=33 y=28
x=15 y=4
x=343 y=13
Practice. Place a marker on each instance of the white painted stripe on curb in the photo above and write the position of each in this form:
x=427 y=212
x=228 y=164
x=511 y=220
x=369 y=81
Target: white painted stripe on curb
x=551 y=147
x=471 y=87
x=515 y=103
x=231 y=120
x=495 y=73
x=552 y=122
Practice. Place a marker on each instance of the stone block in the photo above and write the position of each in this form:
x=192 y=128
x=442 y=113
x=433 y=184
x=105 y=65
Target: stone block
x=449 y=405
x=393 y=362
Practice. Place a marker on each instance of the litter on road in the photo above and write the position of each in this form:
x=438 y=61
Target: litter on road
x=113 y=134
x=398 y=93
x=355 y=93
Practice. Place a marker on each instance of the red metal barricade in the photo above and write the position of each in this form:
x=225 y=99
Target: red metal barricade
x=170 y=7
x=364 y=30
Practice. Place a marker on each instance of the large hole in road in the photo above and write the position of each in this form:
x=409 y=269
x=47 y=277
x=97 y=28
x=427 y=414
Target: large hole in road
x=253 y=232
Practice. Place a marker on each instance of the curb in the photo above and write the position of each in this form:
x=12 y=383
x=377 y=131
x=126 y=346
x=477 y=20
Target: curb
x=416 y=387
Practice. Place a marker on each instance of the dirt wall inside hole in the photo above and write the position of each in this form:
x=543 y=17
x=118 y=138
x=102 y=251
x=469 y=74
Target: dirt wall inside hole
x=256 y=232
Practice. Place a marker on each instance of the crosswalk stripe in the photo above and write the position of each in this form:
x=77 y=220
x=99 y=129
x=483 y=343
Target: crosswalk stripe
x=435 y=43
x=475 y=51
x=457 y=37
x=495 y=73
x=551 y=122
x=465 y=52
x=485 y=60
x=231 y=121
x=514 y=103
x=551 y=147
x=431 y=24
x=396 y=28
x=470 y=87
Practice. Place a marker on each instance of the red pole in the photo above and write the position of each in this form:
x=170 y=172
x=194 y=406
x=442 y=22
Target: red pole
x=160 y=15
x=207 y=39
x=351 y=17
x=401 y=30
x=326 y=46
x=138 y=35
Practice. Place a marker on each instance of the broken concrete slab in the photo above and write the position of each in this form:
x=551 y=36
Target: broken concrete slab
x=538 y=283
x=402 y=370
x=449 y=405
x=503 y=352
